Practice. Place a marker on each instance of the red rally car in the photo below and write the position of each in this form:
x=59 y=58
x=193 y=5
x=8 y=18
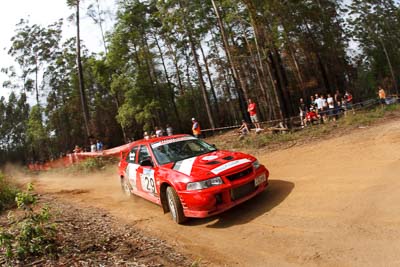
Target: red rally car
x=189 y=177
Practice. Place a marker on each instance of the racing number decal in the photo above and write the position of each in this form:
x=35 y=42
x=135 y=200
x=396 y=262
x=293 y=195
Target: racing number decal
x=147 y=181
x=149 y=184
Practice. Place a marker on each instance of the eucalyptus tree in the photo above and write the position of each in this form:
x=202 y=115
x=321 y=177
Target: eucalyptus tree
x=136 y=78
x=37 y=135
x=63 y=108
x=179 y=17
x=76 y=4
x=13 y=124
x=374 y=25
x=33 y=46
x=97 y=14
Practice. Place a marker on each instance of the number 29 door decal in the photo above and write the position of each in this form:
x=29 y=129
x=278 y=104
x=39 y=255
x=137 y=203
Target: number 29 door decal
x=147 y=181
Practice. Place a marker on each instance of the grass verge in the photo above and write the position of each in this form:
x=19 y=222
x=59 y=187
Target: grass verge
x=8 y=193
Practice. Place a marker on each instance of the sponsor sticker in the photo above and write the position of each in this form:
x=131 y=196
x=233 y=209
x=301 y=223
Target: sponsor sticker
x=173 y=140
x=185 y=166
x=229 y=165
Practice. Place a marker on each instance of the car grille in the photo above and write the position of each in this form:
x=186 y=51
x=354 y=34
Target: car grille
x=243 y=190
x=239 y=175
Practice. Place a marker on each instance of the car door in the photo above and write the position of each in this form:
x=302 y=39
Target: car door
x=146 y=174
x=132 y=168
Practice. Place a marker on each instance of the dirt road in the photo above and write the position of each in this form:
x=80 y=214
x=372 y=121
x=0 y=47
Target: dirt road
x=331 y=203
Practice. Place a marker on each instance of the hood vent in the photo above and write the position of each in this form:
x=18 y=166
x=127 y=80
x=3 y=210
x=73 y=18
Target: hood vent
x=228 y=158
x=213 y=162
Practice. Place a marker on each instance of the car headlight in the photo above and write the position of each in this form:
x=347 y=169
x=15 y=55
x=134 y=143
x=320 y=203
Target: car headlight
x=204 y=184
x=256 y=164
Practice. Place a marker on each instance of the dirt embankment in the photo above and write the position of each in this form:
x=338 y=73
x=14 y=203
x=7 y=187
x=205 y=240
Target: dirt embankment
x=329 y=203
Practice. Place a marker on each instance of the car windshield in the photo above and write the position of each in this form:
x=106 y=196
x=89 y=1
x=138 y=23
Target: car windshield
x=173 y=150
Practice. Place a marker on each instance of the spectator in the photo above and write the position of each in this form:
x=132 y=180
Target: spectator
x=349 y=100
x=196 y=128
x=311 y=117
x=92 y=146
x=244 y=128
x=382 y=96
x=324 y=108
x=99 y=146
x=159 y=132
x=252 y=109
x=320 y=104
x=169 y=129
x=77 y=149
x=337 y=97
x=344 y=106
x=302 y=110
x=331 y=106
x=312 y=104
x=146 y=136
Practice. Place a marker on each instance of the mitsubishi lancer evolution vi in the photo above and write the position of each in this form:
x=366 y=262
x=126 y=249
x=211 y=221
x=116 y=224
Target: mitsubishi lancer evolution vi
x=188 y=177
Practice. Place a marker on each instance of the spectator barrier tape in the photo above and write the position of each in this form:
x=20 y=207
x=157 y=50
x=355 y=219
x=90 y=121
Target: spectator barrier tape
x=73 y=158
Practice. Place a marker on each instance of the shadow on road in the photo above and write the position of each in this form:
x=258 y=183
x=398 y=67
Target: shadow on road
x=277 y=192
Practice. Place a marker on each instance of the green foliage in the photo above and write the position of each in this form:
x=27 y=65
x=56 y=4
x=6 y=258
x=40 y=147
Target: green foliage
x=363 y=118
x=92 y=164
x=7 y=194
x=13 y=123
x=25 y=200
x=31 y=235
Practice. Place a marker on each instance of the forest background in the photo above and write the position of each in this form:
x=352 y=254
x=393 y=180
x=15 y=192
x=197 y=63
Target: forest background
x=167 y=61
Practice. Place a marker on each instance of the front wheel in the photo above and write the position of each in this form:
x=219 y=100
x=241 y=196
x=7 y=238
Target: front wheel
x=175 y=206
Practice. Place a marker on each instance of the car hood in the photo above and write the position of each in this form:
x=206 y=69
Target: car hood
x=212 y=164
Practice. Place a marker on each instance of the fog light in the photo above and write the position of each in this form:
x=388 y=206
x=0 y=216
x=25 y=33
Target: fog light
x=218 y=198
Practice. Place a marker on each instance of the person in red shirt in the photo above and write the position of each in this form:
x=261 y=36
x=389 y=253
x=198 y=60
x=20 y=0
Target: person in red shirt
x=251 y=108
x=311 y=117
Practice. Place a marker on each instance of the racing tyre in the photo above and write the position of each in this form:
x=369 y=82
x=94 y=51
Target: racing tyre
x=175 y=206
x=126 y=187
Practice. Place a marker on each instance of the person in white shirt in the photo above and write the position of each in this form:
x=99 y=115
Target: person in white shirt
x=331 y=106
x=320 y=104
x=169 y=129
x=92 y=147
x=159 y=132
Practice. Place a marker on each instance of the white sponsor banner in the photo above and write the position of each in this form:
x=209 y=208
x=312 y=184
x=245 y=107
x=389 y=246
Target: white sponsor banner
x=172 y=140
x=185 y=166
x=229 y=165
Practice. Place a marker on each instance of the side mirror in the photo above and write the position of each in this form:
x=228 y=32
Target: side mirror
x=146 y=162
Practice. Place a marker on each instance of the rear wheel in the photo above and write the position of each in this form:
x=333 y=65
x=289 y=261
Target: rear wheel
x=175 y=206
x=126 y=187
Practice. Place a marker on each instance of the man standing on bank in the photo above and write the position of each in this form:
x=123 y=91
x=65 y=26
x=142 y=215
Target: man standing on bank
x=251 y=108
x=196 y=128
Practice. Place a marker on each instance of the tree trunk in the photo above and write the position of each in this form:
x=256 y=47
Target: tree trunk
x=80 y=73
x=178 y=75
x=170 y=85
x=199 y=71
x=236 y=78
x=259 y=32
x=36 y=81
x=210 y=81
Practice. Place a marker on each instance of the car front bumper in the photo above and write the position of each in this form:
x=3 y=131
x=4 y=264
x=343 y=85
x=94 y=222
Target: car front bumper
x=214 y=200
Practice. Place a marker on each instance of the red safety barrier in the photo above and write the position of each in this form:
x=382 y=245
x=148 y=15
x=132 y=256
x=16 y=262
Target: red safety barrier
x=73 y=158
